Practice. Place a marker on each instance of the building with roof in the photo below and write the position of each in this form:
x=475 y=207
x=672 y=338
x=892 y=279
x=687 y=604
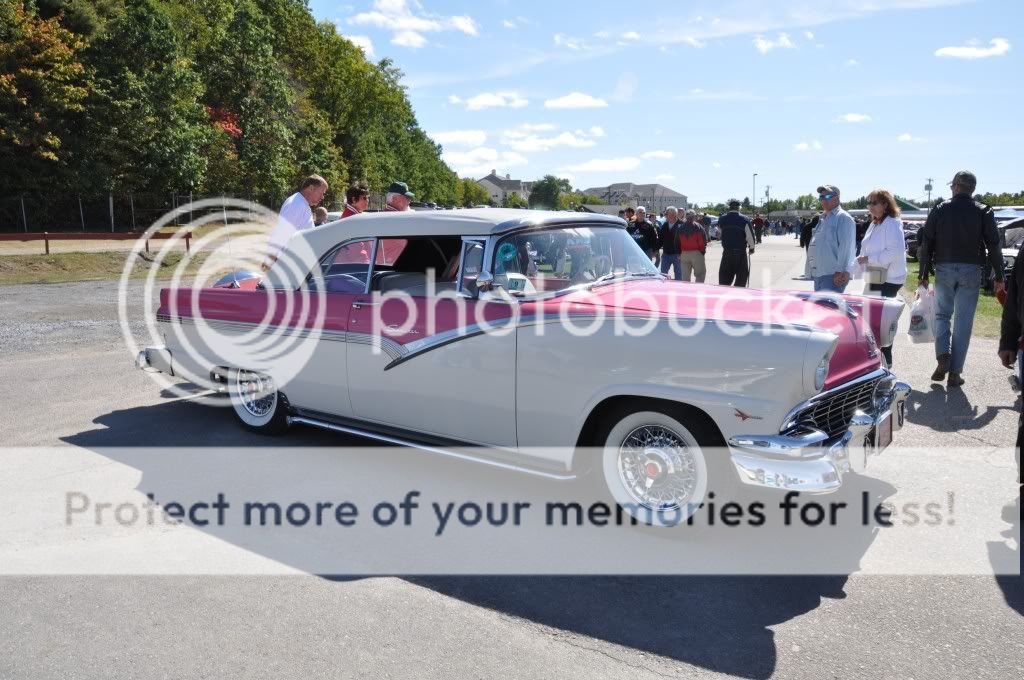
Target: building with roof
x=654 y=197
x=499 y=188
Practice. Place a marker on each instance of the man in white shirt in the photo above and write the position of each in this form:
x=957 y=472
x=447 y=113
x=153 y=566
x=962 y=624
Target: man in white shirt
x=296 y=214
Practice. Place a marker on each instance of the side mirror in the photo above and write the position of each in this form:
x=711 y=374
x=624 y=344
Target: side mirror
x=484 y=281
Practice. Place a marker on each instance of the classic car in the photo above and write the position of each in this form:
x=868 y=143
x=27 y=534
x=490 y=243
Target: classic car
x=725 y=387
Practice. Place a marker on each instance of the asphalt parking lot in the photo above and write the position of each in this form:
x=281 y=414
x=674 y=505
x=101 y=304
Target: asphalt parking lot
x=67 y=380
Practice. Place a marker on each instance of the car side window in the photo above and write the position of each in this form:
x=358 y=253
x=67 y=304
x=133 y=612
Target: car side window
x=346 y=268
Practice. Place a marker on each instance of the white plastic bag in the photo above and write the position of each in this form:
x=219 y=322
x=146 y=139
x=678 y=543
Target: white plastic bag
x=922 y=316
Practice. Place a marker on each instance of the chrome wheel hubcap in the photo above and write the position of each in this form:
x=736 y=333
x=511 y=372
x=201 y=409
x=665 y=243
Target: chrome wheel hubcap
x=256 y=393
x=657 y=468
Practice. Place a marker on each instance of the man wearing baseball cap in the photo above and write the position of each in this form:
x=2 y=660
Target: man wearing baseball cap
x=958 y=238
x=398 y=197
x=835 y=243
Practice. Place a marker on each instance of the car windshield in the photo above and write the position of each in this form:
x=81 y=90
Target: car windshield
x=558 y=259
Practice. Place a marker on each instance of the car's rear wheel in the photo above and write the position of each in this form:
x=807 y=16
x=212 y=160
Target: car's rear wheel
x=257 y=402
x=659 y=463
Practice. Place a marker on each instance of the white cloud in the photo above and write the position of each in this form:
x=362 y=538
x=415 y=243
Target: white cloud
x=630 y=35
x=576 y=100
x=998 y=47
x=362 y=42
x=852 y=62
x=489 y=100
x=460 y=137
x=480 y=161
x=807 y=146
x=597 y=131
x=716 y=165
x=603 y=35
x=664 y=178
x=854 y=118
x=409 y=39
x=507 y=23
x=907 y=137
x=692 y=41
x=808 y=35
x=407 y=27
x=604 y=165
x=764 y=46
x=454 y=99
x=657 y=154
x=569 y=42
x=525 y=138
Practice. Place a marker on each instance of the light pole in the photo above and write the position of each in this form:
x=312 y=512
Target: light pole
x=768 y=200
x=753 y=194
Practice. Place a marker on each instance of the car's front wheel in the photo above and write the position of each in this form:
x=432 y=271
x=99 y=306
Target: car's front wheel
x=659 y=463
x=257 y=402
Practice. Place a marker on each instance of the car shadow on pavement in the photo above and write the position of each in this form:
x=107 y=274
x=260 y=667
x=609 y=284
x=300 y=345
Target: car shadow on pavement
x=722 y=623
x=945 y=409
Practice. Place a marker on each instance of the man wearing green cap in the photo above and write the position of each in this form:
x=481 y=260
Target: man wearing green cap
x=398 y=197
x=959 y=235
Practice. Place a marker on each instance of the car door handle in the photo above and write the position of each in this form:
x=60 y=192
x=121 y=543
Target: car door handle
x=359 y=304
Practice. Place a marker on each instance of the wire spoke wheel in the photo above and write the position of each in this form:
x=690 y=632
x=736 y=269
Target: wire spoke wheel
x=256 y=393
x=657 y=468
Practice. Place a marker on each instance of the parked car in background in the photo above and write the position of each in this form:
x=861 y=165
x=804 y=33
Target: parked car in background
x=911 y=231
x=809 y=403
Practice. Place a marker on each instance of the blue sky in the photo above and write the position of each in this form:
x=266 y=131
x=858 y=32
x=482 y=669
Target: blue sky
x=700 y=95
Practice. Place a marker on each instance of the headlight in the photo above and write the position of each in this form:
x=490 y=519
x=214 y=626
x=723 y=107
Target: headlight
x=818 y=353
x=882 y=393
x=821 y=373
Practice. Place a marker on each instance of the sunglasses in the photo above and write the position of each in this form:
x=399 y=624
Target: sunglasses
x=825 y=197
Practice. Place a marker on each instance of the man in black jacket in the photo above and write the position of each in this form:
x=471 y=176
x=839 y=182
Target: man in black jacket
x=670 y=244
x=737 y=246
x=644 y=233
x=1010 y=336
x=958 y=236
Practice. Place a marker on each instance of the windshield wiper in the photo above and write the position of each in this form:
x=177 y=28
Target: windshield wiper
x=617 y=275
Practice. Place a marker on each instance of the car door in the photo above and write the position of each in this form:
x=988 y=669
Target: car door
x=322 y=384
x=420 y=360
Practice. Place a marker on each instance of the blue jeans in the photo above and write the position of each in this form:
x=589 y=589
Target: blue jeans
x=824 y=283
x=957 y=287
x=673 y=261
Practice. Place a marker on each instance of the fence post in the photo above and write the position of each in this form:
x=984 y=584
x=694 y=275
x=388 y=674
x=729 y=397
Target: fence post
x=24 y=218
x=131 y=199
x=81 y=214
x=188 y=235
x=46 y=241
x=110 y=198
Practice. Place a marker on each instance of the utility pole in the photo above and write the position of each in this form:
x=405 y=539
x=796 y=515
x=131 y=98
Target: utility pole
x=767 y=200
x=753 y=194
x=928 y=188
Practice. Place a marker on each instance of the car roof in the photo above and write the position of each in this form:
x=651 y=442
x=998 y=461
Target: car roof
x=458 y=223
x=470 y=222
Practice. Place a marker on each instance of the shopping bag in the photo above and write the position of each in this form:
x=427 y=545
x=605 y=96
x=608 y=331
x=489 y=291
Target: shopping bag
x=922 y=316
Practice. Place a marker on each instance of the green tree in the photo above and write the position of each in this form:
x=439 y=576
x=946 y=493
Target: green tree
x=546 y=191
x=42 y=84
x=514 y=200
x=472 y=193
x=145 y=128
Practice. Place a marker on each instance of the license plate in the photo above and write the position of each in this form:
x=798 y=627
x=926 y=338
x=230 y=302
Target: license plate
x=883 y=433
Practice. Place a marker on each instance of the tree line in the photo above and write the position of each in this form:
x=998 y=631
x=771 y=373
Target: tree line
x=242 y=97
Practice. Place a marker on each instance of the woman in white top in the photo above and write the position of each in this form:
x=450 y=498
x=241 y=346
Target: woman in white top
x=884 y=247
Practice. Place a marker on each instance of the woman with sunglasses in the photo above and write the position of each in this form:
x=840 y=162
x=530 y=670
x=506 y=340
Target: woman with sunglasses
x=884 y=248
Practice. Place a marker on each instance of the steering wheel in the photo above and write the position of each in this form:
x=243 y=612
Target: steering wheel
x=344 y=283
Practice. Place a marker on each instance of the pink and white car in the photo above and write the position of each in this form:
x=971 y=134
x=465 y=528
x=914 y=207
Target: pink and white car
x=528 y=339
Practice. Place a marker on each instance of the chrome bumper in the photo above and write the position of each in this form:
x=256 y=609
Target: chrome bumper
x=155 y=359
x=809 y=460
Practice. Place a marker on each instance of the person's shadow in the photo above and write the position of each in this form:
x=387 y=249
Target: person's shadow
x=722 y=623
x=948 y=410
x=1006 y=559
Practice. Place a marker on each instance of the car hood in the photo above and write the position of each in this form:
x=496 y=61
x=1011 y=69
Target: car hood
x=845 y=316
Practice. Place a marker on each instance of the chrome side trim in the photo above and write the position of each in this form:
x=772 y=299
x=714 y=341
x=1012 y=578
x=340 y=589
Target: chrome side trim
x=780 y=445
x=327 y=425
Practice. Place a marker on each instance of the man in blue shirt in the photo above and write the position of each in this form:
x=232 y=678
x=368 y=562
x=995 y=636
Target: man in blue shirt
x=835 y=242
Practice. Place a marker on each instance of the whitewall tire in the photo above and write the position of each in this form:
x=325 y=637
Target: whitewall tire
x=257 y=402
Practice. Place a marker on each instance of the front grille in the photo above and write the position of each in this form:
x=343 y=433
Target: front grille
x=833 y=413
